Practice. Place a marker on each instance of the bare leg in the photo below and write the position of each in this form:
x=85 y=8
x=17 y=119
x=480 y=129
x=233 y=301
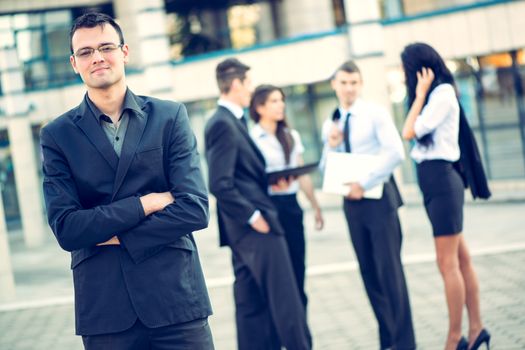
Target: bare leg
x=472 y=290
x=447 y=253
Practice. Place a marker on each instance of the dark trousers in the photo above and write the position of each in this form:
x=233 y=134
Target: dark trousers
x=291 y=219
x=268 y=309
x=376 y=238
x=193 y=335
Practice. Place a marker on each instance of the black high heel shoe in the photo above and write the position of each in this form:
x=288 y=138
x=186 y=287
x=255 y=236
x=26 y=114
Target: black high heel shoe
x=483 y=337
x=462 y=344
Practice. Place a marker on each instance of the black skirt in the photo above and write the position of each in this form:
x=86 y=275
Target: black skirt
x=443 y=194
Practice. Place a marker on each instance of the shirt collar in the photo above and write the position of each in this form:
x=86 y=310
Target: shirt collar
x=353 y=110
x=258 y=131
x=236 y=110
x=129 y=104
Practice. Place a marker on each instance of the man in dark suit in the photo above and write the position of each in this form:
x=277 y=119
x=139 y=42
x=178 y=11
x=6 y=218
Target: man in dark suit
x=269 y=311
x=124 y=192
x=361 y=127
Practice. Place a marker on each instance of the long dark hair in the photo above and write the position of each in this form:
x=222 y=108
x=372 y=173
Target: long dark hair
x=259 y=98
x=414 y=57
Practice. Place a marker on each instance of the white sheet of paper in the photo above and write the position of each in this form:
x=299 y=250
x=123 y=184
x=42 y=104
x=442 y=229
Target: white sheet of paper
x=342 y=168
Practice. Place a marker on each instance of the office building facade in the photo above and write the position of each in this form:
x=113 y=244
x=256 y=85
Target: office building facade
x=296 y=44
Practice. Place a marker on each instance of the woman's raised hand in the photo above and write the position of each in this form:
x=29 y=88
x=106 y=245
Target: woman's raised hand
x=424 y=80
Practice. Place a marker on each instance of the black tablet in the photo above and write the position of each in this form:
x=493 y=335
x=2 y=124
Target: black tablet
x=274 y=176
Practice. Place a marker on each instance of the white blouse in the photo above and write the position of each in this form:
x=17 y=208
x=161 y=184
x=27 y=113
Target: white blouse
x=439 y=116
x=274 y=155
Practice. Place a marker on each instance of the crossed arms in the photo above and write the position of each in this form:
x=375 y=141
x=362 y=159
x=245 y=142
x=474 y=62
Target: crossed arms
x=143 y=224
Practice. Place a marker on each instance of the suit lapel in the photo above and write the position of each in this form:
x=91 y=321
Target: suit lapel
x=244 y=132
x=136 y=126
x=88 y=123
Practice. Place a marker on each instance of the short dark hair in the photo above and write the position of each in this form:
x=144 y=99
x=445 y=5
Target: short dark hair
x=348 y=67
x=229 y=70
x=92 y=20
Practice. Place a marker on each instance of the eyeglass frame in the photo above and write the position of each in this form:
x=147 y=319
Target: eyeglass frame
x=92 y=50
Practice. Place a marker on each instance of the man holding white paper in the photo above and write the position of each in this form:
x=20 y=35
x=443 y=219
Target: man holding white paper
x=365 y=132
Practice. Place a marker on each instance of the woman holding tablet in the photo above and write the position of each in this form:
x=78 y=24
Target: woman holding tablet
x=282 y=148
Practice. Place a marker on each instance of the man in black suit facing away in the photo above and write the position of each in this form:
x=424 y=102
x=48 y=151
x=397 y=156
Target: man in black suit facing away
x=124 y=192
x=269 y=311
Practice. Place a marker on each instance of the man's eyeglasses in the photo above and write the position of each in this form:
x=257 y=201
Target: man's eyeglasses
x=106 y=49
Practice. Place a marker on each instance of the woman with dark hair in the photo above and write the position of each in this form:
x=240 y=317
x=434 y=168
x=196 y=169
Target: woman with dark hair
x=433 y=121
x=282 y=148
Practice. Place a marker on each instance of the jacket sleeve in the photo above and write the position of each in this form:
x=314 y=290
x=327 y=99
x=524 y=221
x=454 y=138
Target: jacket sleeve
x=221 y=154
x=76 y=227
x=189 y=212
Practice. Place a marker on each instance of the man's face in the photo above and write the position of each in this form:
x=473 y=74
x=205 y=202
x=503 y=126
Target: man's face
x=347 y=87
x=243 y=90
x=100 y=70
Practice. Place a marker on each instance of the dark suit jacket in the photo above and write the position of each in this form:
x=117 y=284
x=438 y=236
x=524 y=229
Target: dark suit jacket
x=92 y=195
x=470 y=165
x=237 y=177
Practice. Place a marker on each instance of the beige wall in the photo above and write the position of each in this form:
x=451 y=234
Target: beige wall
x=475 y=32
x=305 y=16
x=27 y=5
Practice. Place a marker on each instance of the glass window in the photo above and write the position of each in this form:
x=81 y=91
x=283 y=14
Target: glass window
x=20 y=21
x=5 y=23
x=339 y=12
x=7 y=39
x=520 y=59
x=242 y=21
x=505 y=154
x=60 y=18
x=61 y=72
x=36 y=75
x=58 y=42
x=391 y=8
x=399 y=8
x=497 y=83
x=199 y=28
x=41 y=40
x=29 y=45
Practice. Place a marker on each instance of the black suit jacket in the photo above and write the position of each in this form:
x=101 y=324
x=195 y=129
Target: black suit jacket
x=469 y=164
x=91 y=195
x=237 y=177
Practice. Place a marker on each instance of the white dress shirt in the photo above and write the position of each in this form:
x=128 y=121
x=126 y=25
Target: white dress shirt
x=440 y=116
x=236 y=110
x=371 y=131
x=273 y=153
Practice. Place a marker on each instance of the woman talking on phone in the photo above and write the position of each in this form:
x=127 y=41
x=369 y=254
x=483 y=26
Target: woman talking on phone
x=433 y=121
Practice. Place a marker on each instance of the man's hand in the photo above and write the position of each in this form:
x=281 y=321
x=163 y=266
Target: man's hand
x=154 y=202
x=335 y=136
x=356 y=191
x=319 y=221
x=113 y=241
x=282 y=184
x=260 y=225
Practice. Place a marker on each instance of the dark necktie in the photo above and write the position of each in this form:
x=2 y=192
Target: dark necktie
x=346 y=134
x=244 y=121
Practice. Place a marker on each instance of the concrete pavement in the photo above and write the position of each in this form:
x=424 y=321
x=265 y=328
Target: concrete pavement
x=41 y=316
